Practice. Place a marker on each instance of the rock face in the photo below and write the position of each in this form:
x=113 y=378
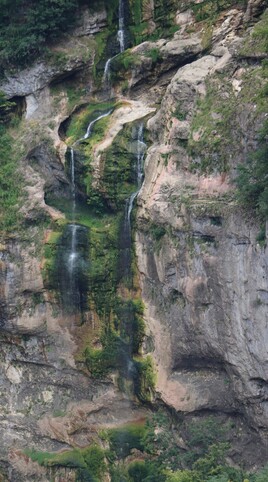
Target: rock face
x=203 y=276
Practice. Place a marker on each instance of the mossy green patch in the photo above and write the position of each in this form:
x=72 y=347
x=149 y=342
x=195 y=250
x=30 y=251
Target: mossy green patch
x=125 y=438
x=119 y=170
x=216 y=125
x=80 y=121
x=209 y=9
x=89 y=462
x=146 y=379
x=11 y=183
x=122 y=64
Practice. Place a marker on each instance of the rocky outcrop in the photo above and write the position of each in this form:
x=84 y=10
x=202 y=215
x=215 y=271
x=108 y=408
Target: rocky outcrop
x=170 y=55
x=203 y=274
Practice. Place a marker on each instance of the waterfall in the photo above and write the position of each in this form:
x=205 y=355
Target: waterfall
x=125 y=260
x=121 y=30
x=72 y=174
x=72 y=262
x=73 y=227
x=107 y=75
x=91 y=124
x=121 y=39
x=72 y=268
x=141 y=146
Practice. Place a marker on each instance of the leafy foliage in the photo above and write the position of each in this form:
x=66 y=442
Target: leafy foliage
x=209 y=8
x=6 y=107
x=26 y=27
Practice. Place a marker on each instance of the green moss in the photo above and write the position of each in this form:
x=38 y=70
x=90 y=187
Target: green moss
x=126 y=438
x=256 y=43
x=121 y=337
x=122 y=64
x=146 y=379
x=94 y=458
x=118 y=173
x=252 y=180
x=155 y=55
x=209 y=9
x=80 y=121
x=50 y=254
x=100 y=361
x=157 y=231
x=136 y=10
x=11 y=183
x=89 y=462
x=216 y=126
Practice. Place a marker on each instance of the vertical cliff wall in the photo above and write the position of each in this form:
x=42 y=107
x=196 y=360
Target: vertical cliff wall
x=184 y=327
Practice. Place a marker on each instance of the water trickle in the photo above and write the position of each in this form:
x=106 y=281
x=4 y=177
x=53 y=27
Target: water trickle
x=72 y=174
x=125 y=261
x=121 y=30
x=106 y=80
x=91 y=124
x=72 y=268
x=72 y=264
x=121 y=37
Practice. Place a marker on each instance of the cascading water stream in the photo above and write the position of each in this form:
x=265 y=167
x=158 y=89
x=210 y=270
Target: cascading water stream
x=72 y=260
x=121 y=39
x=91 y=124
x=126 y=231
x=73 y=227
x=106 y=81
x=121 y=30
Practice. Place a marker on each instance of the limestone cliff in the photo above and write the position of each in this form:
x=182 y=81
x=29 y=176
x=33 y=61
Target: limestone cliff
x=193 y=80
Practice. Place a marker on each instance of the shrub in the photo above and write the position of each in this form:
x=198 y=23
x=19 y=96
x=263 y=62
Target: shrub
x=25 y=27
x=124 y=439
x=138 y=471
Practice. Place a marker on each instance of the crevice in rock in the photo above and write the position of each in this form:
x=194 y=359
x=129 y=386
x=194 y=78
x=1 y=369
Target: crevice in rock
x=206 y=238
x=152 y=79
x=63 y=127
x=196 y=363
x=67 y=76
x=20 y=108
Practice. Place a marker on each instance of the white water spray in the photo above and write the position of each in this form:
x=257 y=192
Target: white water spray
x=126 y=232
x=141 y=147
x=91 y=124
x=121 y=30
x=106 y=80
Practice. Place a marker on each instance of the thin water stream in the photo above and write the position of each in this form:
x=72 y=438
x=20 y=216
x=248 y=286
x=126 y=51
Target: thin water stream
x=92 y=123
x=121 y=37
x=126 y=230
x=121 y=30
x=72 y=258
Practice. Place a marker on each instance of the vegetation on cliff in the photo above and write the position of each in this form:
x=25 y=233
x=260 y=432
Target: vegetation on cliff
x=10 y=188
x=28 y=28
x=152 y=451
